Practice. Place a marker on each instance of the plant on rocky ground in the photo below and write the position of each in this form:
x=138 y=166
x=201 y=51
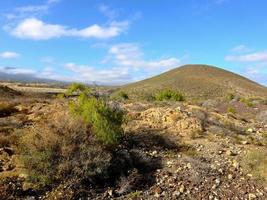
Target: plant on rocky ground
x=106 y=121
x=248 y=102
x=62 y=149
x=230 y=96
x=169 y=95
x=71 y=146
x=231 y=110
x=6 y=109
x=77 y=88
x=134 y=195
x=120 y=96
x=255 y=163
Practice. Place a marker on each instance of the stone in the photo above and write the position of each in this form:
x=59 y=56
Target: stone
x=262 y=116
x=217 y=181
x=230 y=176
x=251 y=196
x=235 y=164
x=244 y=142
x=230 y=153
x=110 y=193
x=158 y=191
x=176 y=194
x=182 y=189
x=188 y=165
x=250 y=130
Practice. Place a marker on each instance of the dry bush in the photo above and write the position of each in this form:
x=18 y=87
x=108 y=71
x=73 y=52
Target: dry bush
x=62 y=149
x=7 y=109
x=120 y=95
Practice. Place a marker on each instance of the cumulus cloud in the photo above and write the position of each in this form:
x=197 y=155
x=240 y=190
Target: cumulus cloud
x=129 y=54
x=129 y=66
x=252 y=65
x=9 y=55
x=32 y=28
x=123 y=63
x=252 y=57
x=85 y=73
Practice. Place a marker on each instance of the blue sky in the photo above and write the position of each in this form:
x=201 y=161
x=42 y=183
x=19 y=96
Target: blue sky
x=121 y=41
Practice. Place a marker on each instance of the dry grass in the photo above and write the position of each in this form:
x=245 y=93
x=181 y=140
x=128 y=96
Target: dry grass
x=62 y=148
x=255 y=163
x=7 y=109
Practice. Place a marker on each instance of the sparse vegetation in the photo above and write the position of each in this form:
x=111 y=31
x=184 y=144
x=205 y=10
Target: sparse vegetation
x=77 y=88
x=230 y=96
x=248 y=102
x=62 y=149
x=231 y=110
x=73 y=147
x=255 y=163
x=134 y=195
x=121 y=95
x=169 y=95
x=193 y=82
x=6 y=109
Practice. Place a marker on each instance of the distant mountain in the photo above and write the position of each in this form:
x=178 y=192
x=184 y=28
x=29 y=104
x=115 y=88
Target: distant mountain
x=22 y=78
x=198 y=81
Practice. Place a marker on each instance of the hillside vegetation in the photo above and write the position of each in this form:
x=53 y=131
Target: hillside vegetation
x=197 y=81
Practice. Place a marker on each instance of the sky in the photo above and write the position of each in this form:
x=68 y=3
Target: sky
x=121 y=41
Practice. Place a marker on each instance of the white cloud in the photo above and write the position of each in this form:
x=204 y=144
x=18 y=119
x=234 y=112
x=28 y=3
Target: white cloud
x=253 y=57
x=240 y=49
x=31 y=10
x=124 y=63
x=35 y=29
x=107 y=11
x=85 y=73
x=129 y=54
x=9 y=55
x=32 y=28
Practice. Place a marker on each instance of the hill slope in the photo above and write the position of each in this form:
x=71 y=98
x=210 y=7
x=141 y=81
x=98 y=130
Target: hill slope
x=198 y=81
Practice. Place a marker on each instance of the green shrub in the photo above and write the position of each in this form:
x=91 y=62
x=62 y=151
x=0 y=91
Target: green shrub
x=169 y=95
x=106 y=122
x=120 y=96
x=62 y=149
x=230 y=96
x=148 y=97
x=247 y=102
x=231 y=110
x=61 y=96
x=77 y=88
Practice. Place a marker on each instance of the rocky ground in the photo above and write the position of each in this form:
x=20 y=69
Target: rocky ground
x=179 y=151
